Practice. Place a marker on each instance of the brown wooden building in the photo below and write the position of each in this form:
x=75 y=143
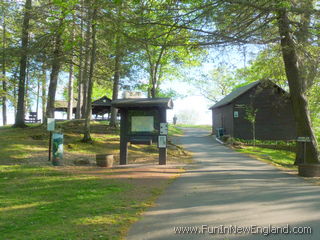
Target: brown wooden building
x=100 y=107
x=274 y=116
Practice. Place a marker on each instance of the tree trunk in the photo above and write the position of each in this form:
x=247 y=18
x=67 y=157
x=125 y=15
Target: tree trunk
x=19 y=121
x=15 y=98
x=87 y=135
x=56 y=64
x=80 y=73
x=116 y=79
x=254 y=133
x=38 y=100
x=153 y=87
x=44 y=93
x=71 y=80
x=70 y=93
x=296 y=83
x=86 y=64
x=26 y=94
x=15 y=90
x=4 y=81
x=79 y=97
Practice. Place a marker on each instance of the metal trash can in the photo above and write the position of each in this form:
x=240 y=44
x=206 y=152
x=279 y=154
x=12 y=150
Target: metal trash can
x=220 y=132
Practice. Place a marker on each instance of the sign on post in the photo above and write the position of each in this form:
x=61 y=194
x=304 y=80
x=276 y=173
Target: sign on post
x=50 y=128
x=163 y=128
x=303 y=139
x=162 y=141
x=57 y=150
x=50 y=124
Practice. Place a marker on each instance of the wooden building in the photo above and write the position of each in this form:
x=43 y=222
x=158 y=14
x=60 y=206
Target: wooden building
x=274 y=113
x=100 y=107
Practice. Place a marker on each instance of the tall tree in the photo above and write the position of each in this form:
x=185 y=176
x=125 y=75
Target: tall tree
x=116 y=79
x=85 y=77
x=80 y=65
x=87 y=135
x=56 y=65
x=71 y=78
x=117 y=61
x=297 y=84
x=43 y=92
x=262 y=22
x=4 y=81
x=19 y=122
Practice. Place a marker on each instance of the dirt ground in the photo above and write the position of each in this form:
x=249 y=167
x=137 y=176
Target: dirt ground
x=134 y=171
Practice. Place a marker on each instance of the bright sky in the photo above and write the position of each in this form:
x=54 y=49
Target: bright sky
x=195 y=104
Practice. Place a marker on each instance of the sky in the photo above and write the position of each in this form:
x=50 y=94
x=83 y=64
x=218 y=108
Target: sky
x=197 y=105
x=194 y=104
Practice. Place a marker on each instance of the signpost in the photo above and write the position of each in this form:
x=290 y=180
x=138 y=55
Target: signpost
x=303 y=139
x=143 y=121
x=50 y=128
x=162 y=139
x=57 y=149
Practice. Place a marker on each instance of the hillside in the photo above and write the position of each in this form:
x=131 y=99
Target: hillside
x=30 y=145
x=39 y=201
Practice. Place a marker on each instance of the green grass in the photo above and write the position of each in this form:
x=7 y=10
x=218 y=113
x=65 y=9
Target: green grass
x=18 y=146
x=174 y=130
x=276 y=157
x=43 y=203
x=38 y=201
x=208 y=127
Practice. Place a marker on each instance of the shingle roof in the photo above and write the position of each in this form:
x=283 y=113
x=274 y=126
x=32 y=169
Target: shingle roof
x=60 y=104
x=104 y=101
x=233 y=95
x=143 y=102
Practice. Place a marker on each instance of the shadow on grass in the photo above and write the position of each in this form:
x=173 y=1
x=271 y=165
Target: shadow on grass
x=42 y=203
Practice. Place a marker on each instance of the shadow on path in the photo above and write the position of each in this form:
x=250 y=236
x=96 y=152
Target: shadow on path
x=228 y=188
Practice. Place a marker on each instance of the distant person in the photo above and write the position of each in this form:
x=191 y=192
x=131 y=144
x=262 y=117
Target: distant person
x=175 y=120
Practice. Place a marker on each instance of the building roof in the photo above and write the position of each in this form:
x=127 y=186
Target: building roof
x=61 y=104
x=104 y=101
x=143 y=102
x=236 y=93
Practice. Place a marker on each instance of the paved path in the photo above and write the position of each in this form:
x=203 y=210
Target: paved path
x=228 y=188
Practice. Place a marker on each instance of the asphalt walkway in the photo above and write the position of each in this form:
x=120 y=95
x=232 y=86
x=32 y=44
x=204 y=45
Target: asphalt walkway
x=229 y=190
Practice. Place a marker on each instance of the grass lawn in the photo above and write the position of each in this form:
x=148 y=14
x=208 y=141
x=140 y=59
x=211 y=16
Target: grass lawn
x=175 y=131
x=30 y=145
x=39 y=201
x=277 y=157
x=208 y=127
x=44 y=203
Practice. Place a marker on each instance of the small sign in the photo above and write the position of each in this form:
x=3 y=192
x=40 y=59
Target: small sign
x=164 y=128
x=303 y=139
x=57 y=150
x=235 y=114
x=162 y=141
x=50 y=124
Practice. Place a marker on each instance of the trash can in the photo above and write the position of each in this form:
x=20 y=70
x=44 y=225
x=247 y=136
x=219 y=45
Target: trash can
x=57 y=148
x=104 y=160
x=220 y=132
